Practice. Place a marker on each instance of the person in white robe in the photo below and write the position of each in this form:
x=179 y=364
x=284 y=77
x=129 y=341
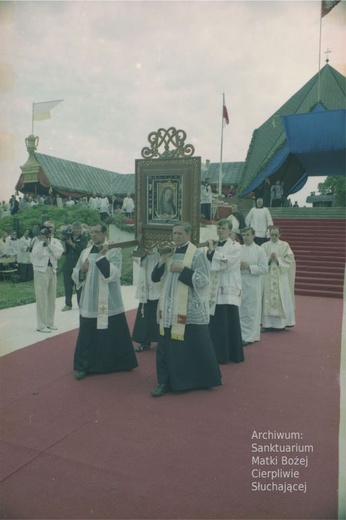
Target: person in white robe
x=253 y=265
x=128 y=205
x=104 y=207
x=146 y=328
x=94 y=202
x=13 y=245
x=225 y=295
x=206 y=200
x=25 y=270
x=260 y=219
x=104 y=343
x=278 y=305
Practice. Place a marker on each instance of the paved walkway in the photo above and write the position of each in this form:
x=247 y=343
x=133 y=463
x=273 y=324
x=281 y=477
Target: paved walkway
x=18 y=324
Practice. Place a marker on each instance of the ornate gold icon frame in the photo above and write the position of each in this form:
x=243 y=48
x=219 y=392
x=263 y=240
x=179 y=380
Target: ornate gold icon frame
x=167 y=188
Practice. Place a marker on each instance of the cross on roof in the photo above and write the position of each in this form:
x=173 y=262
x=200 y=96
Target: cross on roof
x=328 y=51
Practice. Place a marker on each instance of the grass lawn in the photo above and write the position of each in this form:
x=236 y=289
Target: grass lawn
x=15 y=294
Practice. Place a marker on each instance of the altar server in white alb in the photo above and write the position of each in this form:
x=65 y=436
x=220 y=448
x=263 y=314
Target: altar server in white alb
x=13 y=245
x=253 y=265
x=278 y=285
x=146 y=328
x=225 y=295
x=128 y=205
x=260 y=219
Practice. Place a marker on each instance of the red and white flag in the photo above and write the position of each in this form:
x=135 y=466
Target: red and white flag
x=327 y=6
x=41 y=111
x=225 y=114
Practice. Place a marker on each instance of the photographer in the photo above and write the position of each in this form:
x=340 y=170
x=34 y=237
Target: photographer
x=206 y=199
x=74 y=241
x=44 y=257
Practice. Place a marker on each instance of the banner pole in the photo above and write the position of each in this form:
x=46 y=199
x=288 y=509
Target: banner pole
x=221 y=149
x=319 y=62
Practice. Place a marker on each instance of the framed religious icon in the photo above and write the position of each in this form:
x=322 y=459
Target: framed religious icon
x=167 y=188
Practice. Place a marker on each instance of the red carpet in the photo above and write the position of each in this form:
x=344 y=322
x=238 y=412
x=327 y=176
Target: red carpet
x=103 y=448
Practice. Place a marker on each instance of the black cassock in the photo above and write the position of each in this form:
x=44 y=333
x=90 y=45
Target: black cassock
x=104 y=350
x=191 y=363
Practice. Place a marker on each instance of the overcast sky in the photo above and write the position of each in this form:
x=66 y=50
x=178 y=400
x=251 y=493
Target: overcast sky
x=127 y=68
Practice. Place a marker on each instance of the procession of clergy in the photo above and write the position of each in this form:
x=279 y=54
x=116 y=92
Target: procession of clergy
x=201 y=306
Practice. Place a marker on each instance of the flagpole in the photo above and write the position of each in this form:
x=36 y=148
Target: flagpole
x=220 y=166
x=32 y=119
x=319 y=62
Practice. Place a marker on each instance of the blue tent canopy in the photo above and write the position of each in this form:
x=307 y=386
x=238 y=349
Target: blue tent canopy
x=315 y=145
x=273 y=165
x=318 y=140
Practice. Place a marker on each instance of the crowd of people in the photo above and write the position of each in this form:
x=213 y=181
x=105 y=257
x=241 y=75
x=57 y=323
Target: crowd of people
x=200 y=306
x=15 y=254
x=210 y=305
x=274 y=194
x=106 y=206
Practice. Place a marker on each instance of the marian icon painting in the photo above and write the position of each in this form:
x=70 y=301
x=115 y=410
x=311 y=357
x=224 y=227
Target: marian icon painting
x=165 y=199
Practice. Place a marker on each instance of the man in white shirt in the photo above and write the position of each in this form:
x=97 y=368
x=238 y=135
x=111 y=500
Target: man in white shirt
x=44 y=257
x=69 y=202
x=259 y=218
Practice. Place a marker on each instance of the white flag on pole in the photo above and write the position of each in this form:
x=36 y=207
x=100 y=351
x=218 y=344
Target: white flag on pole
x=41 y=111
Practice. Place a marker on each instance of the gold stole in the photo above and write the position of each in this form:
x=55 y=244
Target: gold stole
x=180 y=300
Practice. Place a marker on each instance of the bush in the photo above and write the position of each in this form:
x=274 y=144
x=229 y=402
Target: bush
x=61 y=217
x=119 y=222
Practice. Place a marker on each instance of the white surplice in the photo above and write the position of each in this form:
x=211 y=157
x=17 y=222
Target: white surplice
x=259 y=219
x=101 y=297
x=251 y=301
x=225 y=276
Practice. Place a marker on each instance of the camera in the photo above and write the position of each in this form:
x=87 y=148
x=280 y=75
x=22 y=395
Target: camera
x=46 y=231
x=66 y=233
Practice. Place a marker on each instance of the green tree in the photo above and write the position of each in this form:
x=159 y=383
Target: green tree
x=335 y=185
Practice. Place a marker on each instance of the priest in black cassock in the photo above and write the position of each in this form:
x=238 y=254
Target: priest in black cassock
x=104 y=342
x=185 y=358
